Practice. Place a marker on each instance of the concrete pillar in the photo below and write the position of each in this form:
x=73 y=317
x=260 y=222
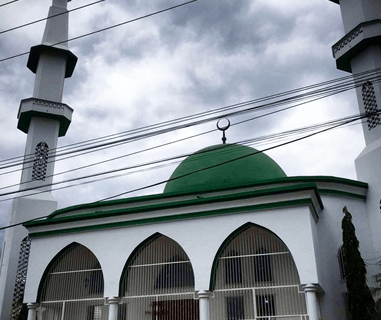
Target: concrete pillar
x=32 y=311
x=113 y=308
x=204 y=307
x=312 y=301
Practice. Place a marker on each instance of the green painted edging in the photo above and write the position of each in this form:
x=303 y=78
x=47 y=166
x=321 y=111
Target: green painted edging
x=132 y=257
x=289 y=203
x=176 y=194
x=212 y=282
x=342 y=193
x=53 y=261
x=222 y=247
x=297 y=179
x=179 y=204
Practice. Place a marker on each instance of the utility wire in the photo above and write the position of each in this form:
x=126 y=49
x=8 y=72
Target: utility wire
x=348 y=85
x=105 y=29
x=210 y=167
x=9 y=2
x=141 y=151
x=136 y=138
x=274 y=137
x=53 y=16
x=222 y=163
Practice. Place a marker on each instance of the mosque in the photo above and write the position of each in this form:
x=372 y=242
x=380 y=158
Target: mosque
x=231 y=237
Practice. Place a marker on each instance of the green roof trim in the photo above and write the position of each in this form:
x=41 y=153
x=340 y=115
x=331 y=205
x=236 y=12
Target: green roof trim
x=342 y=193
x=296 y=179
x=223 y=165
x=179 y=204
x=193 y=215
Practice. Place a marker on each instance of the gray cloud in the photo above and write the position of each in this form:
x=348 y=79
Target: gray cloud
x=199 y=57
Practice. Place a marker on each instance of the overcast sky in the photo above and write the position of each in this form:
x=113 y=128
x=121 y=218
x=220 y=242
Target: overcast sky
x=199 y=57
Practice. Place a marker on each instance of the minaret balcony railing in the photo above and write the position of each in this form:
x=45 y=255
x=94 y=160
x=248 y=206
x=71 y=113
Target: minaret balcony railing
x=36 y=51
x=355 y=41
x=33 y=107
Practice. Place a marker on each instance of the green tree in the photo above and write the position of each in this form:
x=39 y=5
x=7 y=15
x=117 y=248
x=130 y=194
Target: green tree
x=360 y=301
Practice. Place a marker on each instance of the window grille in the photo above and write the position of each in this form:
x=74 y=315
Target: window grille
x=235 y=307
x=262 y=263
x=72 y=287
x=158 y=283
x=268 y=281
x=340 y=256
x=233 y=273
x=40 y=161
x=370 y=105
x=22 y=268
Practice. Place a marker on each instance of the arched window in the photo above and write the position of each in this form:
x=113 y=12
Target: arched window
x=370 y=105
x=158 y=283
x=72 y=287
x=40 y=161
x=265 y=284
x=22 y=268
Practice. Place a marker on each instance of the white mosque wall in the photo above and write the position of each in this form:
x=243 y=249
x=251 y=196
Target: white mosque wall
x=329 y=239
x=200 y=239
x=368 y=169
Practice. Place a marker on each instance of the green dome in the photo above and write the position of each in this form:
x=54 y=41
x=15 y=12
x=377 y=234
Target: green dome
x=251 y=166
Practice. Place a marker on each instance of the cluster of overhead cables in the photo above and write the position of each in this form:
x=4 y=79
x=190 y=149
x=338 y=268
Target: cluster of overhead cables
x=264 y=106
x=89 y=33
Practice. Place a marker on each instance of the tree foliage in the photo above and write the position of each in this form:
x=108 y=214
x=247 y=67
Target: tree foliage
x=360 y=301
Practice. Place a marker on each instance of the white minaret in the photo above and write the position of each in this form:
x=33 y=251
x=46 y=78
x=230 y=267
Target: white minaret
x=360 y=51
x=43 y=118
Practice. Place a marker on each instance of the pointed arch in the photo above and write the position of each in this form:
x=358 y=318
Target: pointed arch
x=254 y=275
x=73 y=285
x=158 y=282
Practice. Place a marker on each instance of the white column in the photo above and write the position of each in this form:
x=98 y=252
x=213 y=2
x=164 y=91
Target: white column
x=32 y=311
x=203 y=297
x=312 y=301
x=113 y=308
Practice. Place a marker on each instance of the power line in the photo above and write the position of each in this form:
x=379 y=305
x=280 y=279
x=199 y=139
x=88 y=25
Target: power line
x=108 y=140
x=105 y=29
x=348 y=84
x=274 y=137
x=223 y=163
x=154 y=134
x=213 y=166
x=9 y=2
x=53 y=16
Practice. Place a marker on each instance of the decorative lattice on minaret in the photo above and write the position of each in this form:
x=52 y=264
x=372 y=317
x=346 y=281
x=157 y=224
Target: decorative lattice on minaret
x=370 y=104
x=40 y=161
x=22 y=268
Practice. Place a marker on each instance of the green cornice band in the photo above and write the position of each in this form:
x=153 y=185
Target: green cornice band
x=265 y=206
x=302 y=179
x=179 y=204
